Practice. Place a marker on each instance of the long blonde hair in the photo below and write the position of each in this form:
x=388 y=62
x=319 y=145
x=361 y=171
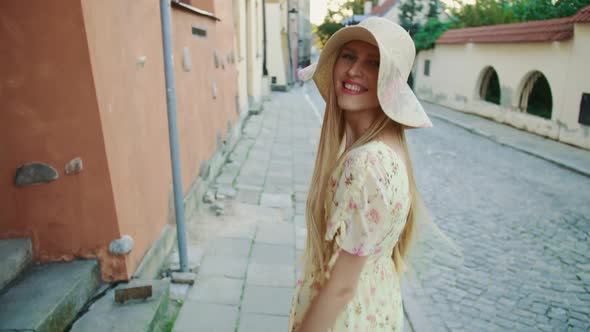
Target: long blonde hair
x=317 y=251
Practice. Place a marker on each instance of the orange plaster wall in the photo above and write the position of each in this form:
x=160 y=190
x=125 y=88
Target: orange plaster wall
x=49 y=114
x=200 y=116
x=132 y=108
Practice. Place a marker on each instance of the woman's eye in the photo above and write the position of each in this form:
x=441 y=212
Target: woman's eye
x=347 y=56
x=374 y=63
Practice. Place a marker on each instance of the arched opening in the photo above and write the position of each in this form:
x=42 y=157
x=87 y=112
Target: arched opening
x=489 y=88
x=411 y=81
x=536 y=98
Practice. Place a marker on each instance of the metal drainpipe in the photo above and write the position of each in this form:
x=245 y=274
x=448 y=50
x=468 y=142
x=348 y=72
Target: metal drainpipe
x=290 y=80
x=173 y=133
x=264 y=69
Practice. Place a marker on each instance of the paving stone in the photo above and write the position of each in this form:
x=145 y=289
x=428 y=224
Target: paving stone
x=276 y=200
x=267 y=300
x=271 y=275
x=230 y=247
x=229 y=267
x=206 y=317
x=263 y=253
x=248 y=196
x=217 y=290
x=276 y=233
x=262 y=323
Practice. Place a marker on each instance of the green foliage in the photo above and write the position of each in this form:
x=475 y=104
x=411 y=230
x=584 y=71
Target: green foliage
x=491 y=12
x=433 y=9
x=325 y=30
x=356 y=6
x=429 y=33
x=483 y=12
x=531 y=10
x=409 y=10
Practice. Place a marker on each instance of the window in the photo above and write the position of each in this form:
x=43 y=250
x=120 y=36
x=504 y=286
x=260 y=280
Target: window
x=199 y=32
x=426 y=67
x=584 y=117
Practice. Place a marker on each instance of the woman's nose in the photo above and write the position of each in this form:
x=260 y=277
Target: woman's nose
x=355 y=69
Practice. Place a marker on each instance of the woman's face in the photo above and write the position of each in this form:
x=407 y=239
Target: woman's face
x=355 y=76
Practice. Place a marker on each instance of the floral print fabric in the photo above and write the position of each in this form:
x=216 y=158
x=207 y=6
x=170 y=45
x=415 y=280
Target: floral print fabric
x=368 y=211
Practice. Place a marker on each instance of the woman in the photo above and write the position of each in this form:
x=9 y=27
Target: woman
x=362 y=202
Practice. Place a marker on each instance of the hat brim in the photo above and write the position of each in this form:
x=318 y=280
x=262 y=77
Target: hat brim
x=396 y=98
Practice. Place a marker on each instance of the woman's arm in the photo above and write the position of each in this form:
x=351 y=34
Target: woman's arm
x=335 y=294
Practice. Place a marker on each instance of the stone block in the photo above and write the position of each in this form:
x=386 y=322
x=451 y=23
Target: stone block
x=276 y=200
x=229 y=247
x=271 y=275
x=35 y=173
x=74 y=166
x=262 y=323
x=221 y=266
x=206 y=317
x=272 y=254
x=218 y=290
x=186 y=278
x=267 y=300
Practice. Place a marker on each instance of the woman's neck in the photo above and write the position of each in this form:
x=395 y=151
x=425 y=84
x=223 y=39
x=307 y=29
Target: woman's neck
x=357 y=122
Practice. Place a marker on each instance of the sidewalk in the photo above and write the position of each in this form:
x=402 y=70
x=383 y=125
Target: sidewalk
x=575 y=159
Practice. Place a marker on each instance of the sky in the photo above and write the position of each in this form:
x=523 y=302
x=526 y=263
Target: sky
x=317 y=11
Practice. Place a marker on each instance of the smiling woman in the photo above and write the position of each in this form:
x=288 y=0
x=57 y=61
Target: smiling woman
x=362 y=202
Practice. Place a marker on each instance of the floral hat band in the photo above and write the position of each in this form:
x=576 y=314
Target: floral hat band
x=397 y=53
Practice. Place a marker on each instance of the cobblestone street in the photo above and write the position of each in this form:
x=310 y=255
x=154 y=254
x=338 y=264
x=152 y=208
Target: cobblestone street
x=522 y=222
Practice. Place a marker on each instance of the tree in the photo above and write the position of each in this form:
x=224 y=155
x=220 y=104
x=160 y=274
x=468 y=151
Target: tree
x=409 y=10
x=337 y=10
x=433 y=9
x=427 y=34
x=483 y=12
x=532 y=10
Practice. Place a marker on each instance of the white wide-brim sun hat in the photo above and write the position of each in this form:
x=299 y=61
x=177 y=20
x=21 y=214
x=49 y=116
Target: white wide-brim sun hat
x=397 y=53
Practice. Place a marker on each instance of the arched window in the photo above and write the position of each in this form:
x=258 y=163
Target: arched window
x=489 y=87
x=535 y=97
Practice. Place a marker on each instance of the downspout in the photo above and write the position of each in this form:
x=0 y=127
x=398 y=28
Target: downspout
x=264 y=69
x=173 y=133
x=290 y=81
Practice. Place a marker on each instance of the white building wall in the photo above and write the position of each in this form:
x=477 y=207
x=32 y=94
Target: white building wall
x=275 y=33
x=456 y=70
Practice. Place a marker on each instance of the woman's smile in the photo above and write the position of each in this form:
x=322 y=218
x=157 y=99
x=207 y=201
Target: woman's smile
x=353 y=88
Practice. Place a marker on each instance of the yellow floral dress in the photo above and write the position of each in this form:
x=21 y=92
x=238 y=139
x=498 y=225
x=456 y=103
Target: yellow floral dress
x=368 y=211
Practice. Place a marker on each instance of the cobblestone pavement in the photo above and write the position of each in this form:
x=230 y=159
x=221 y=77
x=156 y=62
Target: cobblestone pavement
x=523 y=224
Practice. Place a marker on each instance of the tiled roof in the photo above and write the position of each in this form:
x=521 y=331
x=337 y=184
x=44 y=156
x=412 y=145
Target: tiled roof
x=582 y=16
x=534 y=31
x=385 y=6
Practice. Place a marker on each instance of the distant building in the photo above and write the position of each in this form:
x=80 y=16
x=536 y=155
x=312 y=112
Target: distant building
x=390 y=10
x=533 y=75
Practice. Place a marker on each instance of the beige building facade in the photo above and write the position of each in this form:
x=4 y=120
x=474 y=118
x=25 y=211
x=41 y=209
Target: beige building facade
x=277 y=47
x=533 y=76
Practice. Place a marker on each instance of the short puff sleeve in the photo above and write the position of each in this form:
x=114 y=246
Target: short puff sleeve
x=359 y=220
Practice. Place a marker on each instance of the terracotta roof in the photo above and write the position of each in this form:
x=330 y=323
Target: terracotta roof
x=384 y=8
x=533 y=31
x=582 y=16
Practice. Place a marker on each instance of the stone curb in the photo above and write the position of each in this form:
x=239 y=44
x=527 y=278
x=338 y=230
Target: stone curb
x=489 y=136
